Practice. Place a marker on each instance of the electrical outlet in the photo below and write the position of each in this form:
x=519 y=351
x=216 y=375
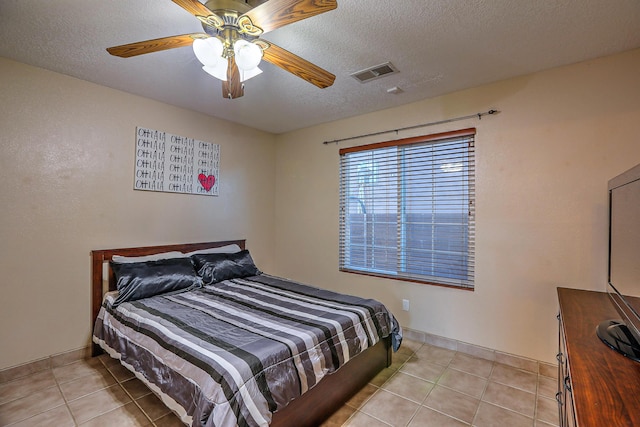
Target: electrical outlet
x=405 y=304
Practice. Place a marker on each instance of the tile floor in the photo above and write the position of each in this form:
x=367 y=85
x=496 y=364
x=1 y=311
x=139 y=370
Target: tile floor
x=426 y=386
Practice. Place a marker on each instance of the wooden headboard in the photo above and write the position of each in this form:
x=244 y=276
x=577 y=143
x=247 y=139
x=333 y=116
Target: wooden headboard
x=100 y=259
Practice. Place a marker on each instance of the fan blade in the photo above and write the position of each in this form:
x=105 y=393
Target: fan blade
x=297 y=66
x=194 y=7
x=233 y=87
x=155 y=45
x=201 y=12
x=277 y=13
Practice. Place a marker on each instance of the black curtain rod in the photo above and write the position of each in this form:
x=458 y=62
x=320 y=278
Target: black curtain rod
x=470 y=116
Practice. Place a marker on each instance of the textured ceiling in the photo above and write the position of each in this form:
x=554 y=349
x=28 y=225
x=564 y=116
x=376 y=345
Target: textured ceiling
x=439 y=46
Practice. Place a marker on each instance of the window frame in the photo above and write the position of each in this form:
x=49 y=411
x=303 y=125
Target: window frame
x=469 y=283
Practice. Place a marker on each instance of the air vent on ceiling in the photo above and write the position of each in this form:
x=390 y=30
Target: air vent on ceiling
x=375 y=72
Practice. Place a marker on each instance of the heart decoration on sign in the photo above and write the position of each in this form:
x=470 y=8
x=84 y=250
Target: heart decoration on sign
x=207 y=181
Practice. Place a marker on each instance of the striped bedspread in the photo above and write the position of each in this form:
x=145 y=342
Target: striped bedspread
x=235 y=352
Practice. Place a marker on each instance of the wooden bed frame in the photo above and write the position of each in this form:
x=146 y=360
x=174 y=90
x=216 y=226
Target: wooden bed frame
x=310 y=409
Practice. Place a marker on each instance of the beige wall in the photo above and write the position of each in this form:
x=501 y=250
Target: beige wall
x=66 y=171
x=542 y=170
x=66 y=187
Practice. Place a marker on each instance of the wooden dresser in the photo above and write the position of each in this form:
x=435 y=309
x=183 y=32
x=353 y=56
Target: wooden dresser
x=597 y=387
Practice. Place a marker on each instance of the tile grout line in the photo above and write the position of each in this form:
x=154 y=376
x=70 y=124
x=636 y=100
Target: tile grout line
x=36 y=414
x=93 y=392
x=481 y=399
x=415 y=412
x=57 y=386
x=135 y=402
x=153 y=424
x=66 y=402
x=456 y=391
x=379 y=389
x=535 y=405
x=536 y=397
x=436 y=384
x=421 y=404
x=448 y=388
x=535 y=394
x=73 y=417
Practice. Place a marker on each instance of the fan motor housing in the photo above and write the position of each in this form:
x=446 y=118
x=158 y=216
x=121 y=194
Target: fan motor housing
x=239 y=7
x=228 y=11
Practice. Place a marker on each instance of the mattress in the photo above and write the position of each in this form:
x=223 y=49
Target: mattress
x=235 y=352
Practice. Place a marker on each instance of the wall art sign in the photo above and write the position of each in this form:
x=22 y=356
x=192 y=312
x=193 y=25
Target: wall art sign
x=175 y=164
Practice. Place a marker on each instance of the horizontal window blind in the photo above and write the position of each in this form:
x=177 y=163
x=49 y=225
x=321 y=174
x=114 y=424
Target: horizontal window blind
x=407 y=209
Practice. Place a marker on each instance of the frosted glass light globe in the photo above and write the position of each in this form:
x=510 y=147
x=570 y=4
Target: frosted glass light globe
x=246 y=75
x=219 y=69
x=248 y=55
x=208 y=51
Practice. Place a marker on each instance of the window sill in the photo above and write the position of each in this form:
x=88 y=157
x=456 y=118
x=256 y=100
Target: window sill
x=408 y=279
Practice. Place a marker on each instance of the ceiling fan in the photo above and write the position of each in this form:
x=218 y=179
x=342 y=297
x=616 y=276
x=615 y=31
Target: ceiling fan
x=231 y=48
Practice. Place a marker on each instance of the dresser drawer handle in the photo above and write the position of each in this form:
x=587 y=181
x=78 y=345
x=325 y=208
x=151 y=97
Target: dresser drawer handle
x=559 y=357
x=567 y=383
x=559 y=398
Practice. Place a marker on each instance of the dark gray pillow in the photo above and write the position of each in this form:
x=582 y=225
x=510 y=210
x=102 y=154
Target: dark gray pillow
x=139 y=280
x=214 y=268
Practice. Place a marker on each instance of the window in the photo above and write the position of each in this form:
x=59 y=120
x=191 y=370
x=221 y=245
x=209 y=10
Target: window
x=407 y=209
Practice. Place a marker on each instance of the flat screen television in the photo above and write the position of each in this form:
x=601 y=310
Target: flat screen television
x=623 y=335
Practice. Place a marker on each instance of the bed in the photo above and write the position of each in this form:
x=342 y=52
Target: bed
x=301 y=388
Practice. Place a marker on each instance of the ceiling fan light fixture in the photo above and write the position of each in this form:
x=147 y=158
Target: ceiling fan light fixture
x=218 y=70
x=247 y=74
x=248 y=55
x=230 y=48
x=208 y=51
